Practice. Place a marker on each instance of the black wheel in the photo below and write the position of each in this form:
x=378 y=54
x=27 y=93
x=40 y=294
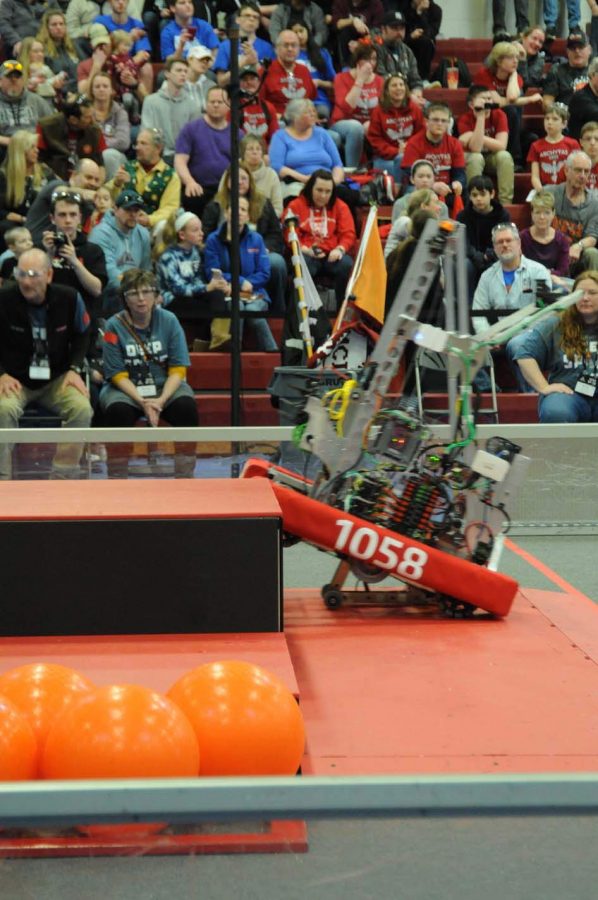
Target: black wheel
x=332 y=597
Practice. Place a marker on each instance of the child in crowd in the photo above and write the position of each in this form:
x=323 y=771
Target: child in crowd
x=480 y=215
x=588 y=139
x=102 y=201
x=124 y=69
x=18 y=240
x=422 y=176
x=544 y=243
x=548 y=154
x=38 y=76
x=424 y=198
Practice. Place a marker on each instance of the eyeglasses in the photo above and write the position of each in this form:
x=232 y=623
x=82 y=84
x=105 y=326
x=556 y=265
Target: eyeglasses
x=29 y=273
x=141 y=294
x=61 y=194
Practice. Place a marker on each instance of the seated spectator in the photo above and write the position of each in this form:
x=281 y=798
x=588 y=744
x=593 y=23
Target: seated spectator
x=565 y=346
x=392 y=123
x=125 y=70
x=69 y=135
x=21 y=178
x=253 y=150
x=308 y=15
x=500 y=76
x=422 y=24
x=39 y=77
x=258 y=116
x=286 y=78
x=125 y=243
x=589 y=144
x=172 y=107
x=199 y=76
x=85 y=180
x=180 y=272
x=482 y=213
x=203 y=152
x=43 y=341
x=98 y=61
x=119 y=19
x=422 y=175
x=395 y=57
x=185 y=31
x=302 y=147
x=583 y=106
x=532 y=58
x=18 y=20
x=325 y=230
x=353 y=21
x=263 y=219
x=319 y=62
x=443 y=151
x=424 y=199
x=484 y=134
x=18 y=240
x=75 y=262
x=253 y=51
x=547 y=155
x=80 y=19
x=152 y=178
x=397 y=264
x=356 y=94
x=102 y=201
x=145 y=361
x=108 y=114
x=59 y=49
x=20 y=109
x=576 y=212
x=254 y=270
x=542 y=242
x=566 y=78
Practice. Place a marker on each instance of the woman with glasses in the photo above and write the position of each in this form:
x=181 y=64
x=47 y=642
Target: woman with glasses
x=21 y=178
x=145 y=364
x=565 y=347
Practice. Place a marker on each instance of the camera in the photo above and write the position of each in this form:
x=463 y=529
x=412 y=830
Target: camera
x=60 y=241
x=491 y=106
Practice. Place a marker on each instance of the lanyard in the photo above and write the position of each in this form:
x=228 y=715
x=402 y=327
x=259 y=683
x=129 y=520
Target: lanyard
x=147 y=355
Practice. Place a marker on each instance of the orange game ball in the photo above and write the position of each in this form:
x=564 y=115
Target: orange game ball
x=42 y=691
x=18 y=746
x=246 y=720
x=121 y=731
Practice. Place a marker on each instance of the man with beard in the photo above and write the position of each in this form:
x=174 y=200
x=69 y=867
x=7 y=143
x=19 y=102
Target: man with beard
x=20 y=109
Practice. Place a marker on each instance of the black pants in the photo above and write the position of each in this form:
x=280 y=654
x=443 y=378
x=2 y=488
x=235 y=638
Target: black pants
x=498 y=15
x=423 y=50
x=196 y=205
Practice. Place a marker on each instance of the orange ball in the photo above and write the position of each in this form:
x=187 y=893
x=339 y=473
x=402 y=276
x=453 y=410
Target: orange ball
x=121 y=731
x=18 y=746
x=42 y=691
x=246 y=720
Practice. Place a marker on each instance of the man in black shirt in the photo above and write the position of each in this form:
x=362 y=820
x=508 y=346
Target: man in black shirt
x=583 y=106
x=568 y=77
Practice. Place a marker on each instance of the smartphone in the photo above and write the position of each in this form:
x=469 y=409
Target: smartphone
x=216 y=273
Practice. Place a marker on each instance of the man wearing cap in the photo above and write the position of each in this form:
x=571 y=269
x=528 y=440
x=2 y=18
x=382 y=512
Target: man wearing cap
x=185 y=31
x=70 y=135
x=258 y=116
x=395 y=57
x=199 y=76
x=568 y=77
x=99 y=40
x=252 y=50
x=125 y=243
x=583 y=106
x=20 y=109
x=170 y=108
x=353 y=21
x=43 y=341
x=286 y=78
x=154 y=180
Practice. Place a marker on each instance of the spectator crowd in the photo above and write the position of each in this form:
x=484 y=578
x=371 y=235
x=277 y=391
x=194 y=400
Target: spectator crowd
x=115 y=184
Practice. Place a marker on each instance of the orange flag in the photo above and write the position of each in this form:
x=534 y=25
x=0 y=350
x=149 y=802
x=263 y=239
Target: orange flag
x=369 y=278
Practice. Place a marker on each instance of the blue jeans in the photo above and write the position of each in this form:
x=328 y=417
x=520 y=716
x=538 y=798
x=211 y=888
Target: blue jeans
x=567 y=408
x=392 y=166
x=277 y=286
x=510 y=351
x=352 y=137
x=263 y=335
x=551 y=14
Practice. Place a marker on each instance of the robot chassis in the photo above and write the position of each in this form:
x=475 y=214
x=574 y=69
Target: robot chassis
x=390 y=499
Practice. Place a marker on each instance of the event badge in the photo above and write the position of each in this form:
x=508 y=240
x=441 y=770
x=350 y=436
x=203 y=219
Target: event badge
x=39 y=370
x=586 y=385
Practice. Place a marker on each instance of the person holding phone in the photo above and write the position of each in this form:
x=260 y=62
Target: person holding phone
x=185 y=31
x=252 y=49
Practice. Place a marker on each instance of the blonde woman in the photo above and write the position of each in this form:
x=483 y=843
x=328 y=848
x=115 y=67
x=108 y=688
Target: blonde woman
x=21 y=177
x=60 y=51
x=544 y=243
x=39 y=77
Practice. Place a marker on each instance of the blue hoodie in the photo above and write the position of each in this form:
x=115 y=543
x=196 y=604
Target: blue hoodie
x=123 y=250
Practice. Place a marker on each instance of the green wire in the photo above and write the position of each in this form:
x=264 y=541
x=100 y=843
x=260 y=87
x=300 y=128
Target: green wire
x=465 y=410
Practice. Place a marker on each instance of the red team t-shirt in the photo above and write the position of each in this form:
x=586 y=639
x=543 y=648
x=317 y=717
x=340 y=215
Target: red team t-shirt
x=388 y=128
x=446 y=155
x=551 y=158
x=280 y=87
x=593 y=179
x=368 y=98
x=496 y=123
x=490 y=81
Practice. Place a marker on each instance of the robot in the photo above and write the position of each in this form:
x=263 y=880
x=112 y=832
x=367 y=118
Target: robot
x=390 y=499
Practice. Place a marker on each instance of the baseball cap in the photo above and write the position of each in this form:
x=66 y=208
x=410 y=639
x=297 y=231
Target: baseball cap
x=98 y=35
x=198 y=51
x=129 y=199
x=248 y=70
x=11 y=68
x=393 y=18
x=577 y=39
